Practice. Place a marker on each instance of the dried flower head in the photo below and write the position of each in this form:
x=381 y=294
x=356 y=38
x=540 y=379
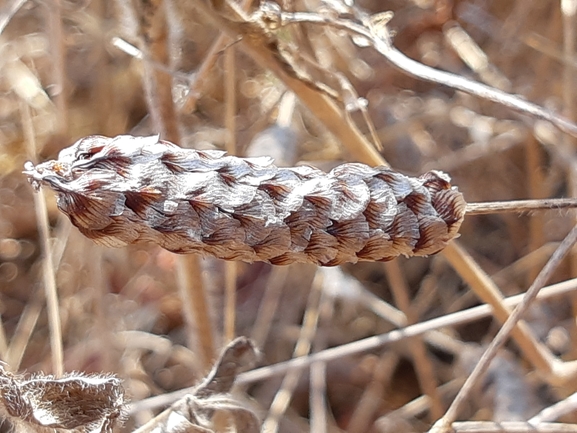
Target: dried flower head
x=130 y=189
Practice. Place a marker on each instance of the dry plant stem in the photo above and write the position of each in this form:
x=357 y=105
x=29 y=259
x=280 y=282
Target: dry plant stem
x=371 y=343
x=206 y=67
x=536 y=191
x=158 y=83
x=511 y=427
x=230 y=124
x=489 y=293
x=195 y=307
x=255 y=43
x=48 y=273
x=3 y=341
x=569 y=10
x=102 y=323
x=520 y=206
x=230 y=276
x=379 y=38
x=444 y=423
x=8 y=11
x=57 y=48
x=374 y=342
x=24 y=330
x=422 y=363
x=310 y=321
x=268 y=306
x=33 y=309
x=420 y=404
x=555 y=411
x=372 y=397
x=318 y=403
x=318 y=370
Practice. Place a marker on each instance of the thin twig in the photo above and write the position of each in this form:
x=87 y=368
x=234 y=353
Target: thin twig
x=451 y=415
x=256 y=44
x=371 y=399
x=195 y=306
x=511 y=427
x=207 y=65
x=310 y=321
x=370 y=343
x=58 y=56
x=555 y=411
x=230 y=274
x=157 y=83
x=48 y=273
x=537 y=190
x=489 y=292
x=423 y=365
x=379 y=38
x=318 y=371
x=8 y=12
x=520 y=206
x=268 y=305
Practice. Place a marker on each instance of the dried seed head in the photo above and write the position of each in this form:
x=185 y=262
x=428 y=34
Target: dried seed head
x=129 y=189
x=76 y=401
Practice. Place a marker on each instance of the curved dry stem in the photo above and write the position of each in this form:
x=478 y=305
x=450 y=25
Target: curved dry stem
x=378 y=37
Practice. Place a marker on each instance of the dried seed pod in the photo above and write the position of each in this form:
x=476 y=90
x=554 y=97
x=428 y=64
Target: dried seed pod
x=75 y=402
x=130 y=189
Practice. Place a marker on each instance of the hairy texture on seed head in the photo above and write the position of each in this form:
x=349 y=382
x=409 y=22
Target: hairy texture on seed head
x=76 y=402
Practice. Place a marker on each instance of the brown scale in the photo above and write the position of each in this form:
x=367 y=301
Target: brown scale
x=129 y=189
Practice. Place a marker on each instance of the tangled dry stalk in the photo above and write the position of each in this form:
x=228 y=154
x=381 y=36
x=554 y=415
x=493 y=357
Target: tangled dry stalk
x=399 y=346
